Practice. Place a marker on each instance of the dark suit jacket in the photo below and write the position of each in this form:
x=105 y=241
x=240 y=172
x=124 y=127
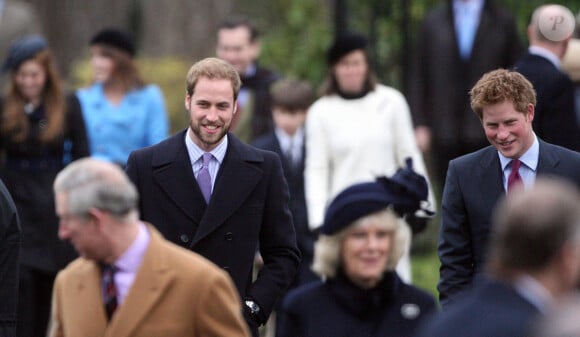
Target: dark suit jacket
x=259 y=85
x=248 y=208
x=176 y=293
x=441 y=79
x=492 y=309
x=294 y=175
x=9 y=262
x=555 y=117
x=473 y=186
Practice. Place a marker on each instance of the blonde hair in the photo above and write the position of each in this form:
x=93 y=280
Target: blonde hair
x=327 y=249
x=213 y=68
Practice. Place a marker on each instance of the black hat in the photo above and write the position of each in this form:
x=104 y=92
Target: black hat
x=23 y=49
x=343 y=45
x=115 y=38
x=405 y=192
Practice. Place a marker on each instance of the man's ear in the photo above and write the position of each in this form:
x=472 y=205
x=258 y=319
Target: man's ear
x=531 y=112
x=256 y=49
x=187 y=101
x=96 y=215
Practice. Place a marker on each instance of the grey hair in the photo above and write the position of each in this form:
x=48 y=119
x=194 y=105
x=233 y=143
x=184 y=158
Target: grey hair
x=91 y=183
x=327 y=249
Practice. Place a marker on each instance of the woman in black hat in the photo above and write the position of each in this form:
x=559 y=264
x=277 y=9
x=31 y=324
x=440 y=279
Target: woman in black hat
x=41 y=130
x=360 y=243
x=121 y=111
x=356 y=130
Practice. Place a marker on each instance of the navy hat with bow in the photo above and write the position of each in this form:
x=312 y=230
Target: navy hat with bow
x=406 y=192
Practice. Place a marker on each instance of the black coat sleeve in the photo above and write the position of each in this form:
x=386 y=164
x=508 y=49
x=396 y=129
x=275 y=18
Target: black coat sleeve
x=76 y=129
x=9 y=262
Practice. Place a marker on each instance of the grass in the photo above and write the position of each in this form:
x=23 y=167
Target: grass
x=425 y=269
x=424 y=261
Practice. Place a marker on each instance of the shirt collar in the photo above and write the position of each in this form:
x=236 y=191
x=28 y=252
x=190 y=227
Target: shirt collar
x=251 y=70
x=534 y=292
x=545 y=53
x=285 y=139
x=131 y=259
x=474 y=5
x=195 y=152
x=529 y=158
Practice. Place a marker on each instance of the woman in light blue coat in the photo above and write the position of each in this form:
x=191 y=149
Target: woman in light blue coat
x=121 y=112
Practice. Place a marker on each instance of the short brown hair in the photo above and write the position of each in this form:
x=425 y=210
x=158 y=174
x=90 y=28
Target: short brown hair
x=291 y=94
x=502 y=85
x=212 y=68
x=235 y=21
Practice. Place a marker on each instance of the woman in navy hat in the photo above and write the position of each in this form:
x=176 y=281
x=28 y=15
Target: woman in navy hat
x=360 y=243
x=121 y=111
x=358 y=129
x=41 y=130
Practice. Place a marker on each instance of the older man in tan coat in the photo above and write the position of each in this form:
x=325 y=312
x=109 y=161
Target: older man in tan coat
x=130 y=281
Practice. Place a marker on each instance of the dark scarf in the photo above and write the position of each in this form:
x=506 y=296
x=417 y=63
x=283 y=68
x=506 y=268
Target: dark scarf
x=356 y=95
x=366 y=304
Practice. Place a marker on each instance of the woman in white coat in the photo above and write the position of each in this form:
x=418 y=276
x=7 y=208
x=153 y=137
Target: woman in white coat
x=358 y=130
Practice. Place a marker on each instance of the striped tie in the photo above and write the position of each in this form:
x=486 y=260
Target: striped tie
x=109 y=289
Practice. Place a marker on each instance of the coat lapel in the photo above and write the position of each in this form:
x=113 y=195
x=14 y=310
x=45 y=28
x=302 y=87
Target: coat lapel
x=547 y=161
x=151 y=281
x=490 y=178
x=86 y=300
x=173 y=174
x=236 y=179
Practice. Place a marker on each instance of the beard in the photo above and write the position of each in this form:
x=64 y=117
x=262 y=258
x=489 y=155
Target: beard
x=208 y=141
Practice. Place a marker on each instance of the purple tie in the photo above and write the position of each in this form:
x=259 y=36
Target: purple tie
x=204 y=179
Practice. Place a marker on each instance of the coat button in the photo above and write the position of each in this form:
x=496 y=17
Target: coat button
x=229 y=236
x=184 y=238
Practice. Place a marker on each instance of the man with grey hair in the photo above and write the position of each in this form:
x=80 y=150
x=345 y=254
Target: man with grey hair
x=549 y=33
x=534 y=261
x=130 y=281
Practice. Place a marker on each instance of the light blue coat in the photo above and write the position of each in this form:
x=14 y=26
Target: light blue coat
x=139 y=120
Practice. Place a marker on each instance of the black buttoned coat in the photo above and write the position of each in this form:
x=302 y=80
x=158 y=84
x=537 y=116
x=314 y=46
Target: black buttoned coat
x=248 y=209
x=337 y=307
